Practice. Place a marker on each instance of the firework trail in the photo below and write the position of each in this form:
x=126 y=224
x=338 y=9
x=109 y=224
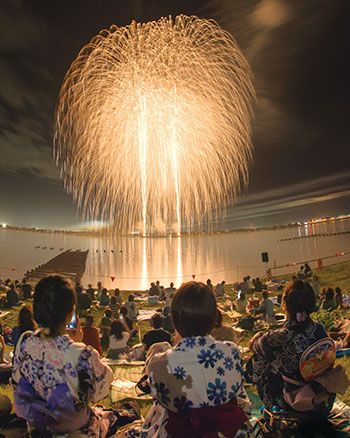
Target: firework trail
x=152 y=126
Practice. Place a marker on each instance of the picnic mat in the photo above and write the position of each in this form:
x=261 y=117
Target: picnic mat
x=124 y=384
x=145 y=314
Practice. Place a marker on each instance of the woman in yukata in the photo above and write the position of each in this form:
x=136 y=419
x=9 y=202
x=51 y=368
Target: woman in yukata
x=197 y=385
x=56 y=376
x=280 y=366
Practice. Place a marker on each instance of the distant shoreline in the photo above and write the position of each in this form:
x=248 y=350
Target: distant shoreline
x=103 y=232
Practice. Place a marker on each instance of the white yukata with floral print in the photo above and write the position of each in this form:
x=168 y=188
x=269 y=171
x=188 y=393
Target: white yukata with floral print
x=45 y=364
x=198 y=372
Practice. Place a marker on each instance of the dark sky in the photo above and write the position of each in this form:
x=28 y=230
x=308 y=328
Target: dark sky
x=298 y=53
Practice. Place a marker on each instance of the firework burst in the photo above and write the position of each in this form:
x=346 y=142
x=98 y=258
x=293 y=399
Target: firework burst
x=152 y=126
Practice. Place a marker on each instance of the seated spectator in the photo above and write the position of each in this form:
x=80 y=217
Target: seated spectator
x=220 y=289
x=118 y=340
x=301 y=273
x=51 y=367
x=167 y=321
x=222 y=332
x=114 y=306
x=26 y=290
x=118 y=297
x=244 y=286
x=210 y=284
x=3 y=361
x=258 y=285
x=307 y=271
x=132 y=311
x=25 y=323
x=12 y=296
x=197 y=378
x=249 y=281
x=104 y=298
x=105 y=327
x=275 y=364
x=91 y=292
x=84 y=301
x=266 y=309
x=338 y=297
x=241 y=303
x=154 y=290
x=316 y=286
x=157 y=334
x=169 y=291
x=91 y=335
x=329 y=302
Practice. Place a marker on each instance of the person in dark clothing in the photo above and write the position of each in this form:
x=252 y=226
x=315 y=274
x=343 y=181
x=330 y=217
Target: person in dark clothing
x=158 y=334
x=26 y=290
x=11 y=296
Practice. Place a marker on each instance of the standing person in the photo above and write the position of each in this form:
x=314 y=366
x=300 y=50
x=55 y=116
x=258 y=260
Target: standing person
x=132 y=311
x=51 y=367
x=99 y=290
x=118 y=340
x=90 y=334
x=197 y=385
x=25 y=323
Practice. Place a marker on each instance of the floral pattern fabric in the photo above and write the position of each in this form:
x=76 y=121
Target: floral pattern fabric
x=198 y=372
x=47 y=364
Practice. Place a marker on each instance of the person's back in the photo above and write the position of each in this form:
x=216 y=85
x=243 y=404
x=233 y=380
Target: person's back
x=91 y=335
x=154 y=290
x=241 y=303
x=258 y=285
x=219 y=289
x=26 y=290
x=329 y=302
x=84 y=301
x=11 y=297
x=91 y=292
x=104 y=298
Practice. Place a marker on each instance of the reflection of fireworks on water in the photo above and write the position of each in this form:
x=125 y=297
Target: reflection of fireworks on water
x=153 y=124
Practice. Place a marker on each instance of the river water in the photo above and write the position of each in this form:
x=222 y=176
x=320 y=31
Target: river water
x=135 y=261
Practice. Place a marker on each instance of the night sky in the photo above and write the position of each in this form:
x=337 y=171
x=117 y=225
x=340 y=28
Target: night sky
x=298 y=53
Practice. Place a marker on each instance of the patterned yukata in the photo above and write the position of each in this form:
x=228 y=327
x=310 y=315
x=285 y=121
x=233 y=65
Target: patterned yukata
x=278 y=353
x=198 y=372
x=45 y=365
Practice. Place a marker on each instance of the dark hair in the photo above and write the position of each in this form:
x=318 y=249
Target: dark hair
x=26 y=319
x=131 y=297
x=218 y=320
x=117 y=329
x=265 y=294
x=104 y=291
x=113 y=300
x=193 y=309
x=242 y=296
x=54 y=299
x=116 y=292
x=329 y=293
x=108 y=313
x=338 y=290
x=156 y=321
x=89 y=320
x=298 y=296
x=123 y=311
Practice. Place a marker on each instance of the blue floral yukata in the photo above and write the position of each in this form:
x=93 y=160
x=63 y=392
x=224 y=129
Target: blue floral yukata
x=61 y=376
x=198 y=372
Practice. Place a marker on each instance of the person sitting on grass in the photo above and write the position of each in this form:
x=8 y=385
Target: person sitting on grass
x=114 y=306
x=118 y=297
x=26 y=289
x=197 y=385
x=105 y=327
x=339 y=297
x=329 y=302
x=104 y=298
x=241 y=303
x=222 y=332
x=266 y=309
x=12 y=297
x=55 y=376
x=118 y=340
x=90 y=334
x=157 y=334
x=25 y=323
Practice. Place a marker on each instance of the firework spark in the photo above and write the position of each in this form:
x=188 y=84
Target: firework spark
x=152 y=126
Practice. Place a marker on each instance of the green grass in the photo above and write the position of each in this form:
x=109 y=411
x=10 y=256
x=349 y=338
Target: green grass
x=330 y=276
